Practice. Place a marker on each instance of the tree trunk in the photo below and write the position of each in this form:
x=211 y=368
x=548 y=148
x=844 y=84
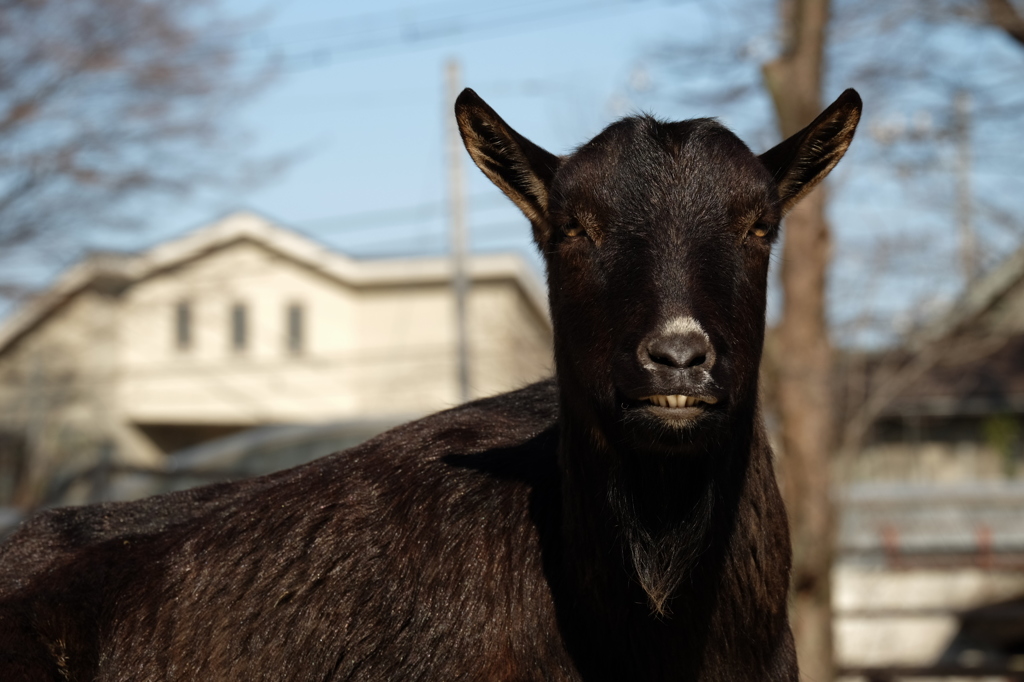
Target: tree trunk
x=804 y=369
x=805 y=410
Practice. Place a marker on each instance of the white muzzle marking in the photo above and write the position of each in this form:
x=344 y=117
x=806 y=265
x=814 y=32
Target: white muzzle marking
x=684 y=325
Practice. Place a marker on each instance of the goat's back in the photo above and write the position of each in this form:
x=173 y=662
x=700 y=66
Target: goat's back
x=414 y=556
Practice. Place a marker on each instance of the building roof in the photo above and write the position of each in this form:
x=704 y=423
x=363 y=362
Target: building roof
x=118 y=271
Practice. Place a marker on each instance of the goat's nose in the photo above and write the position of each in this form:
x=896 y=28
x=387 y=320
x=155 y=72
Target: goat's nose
x=679 y=351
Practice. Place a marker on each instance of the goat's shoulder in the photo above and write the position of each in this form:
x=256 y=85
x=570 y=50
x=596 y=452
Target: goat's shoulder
x=54 y=536
x=438 y=466
x=439 y=522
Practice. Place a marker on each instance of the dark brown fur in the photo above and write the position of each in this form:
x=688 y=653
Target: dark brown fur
x=566 y=531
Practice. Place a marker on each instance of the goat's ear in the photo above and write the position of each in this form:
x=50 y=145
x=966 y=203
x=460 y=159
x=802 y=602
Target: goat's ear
x=521 y=169
x=802 y=161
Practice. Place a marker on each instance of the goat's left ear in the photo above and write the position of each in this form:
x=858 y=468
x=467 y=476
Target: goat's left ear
x=521 y=169
x=802 y=161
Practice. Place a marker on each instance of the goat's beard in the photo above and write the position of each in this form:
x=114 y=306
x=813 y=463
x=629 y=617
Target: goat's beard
x=666 y=528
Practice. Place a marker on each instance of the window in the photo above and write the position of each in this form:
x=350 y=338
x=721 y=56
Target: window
x=296 y=324
x=239 y=327
x=183 y=325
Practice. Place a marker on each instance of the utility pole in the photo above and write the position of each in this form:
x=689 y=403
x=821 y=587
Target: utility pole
x=457 y=217
x=962 y=139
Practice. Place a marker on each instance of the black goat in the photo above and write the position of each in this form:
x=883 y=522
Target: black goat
x=619 y=523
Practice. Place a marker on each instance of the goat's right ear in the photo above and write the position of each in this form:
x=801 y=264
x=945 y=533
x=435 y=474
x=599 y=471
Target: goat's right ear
x=521 y=169
x=802 y=161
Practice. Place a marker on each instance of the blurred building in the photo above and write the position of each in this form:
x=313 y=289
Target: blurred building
x=239 y=324
x=929 y=581
x=954 y=397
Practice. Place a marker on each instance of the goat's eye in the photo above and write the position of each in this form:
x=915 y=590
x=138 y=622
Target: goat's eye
x=760 y=230
x=572 y=229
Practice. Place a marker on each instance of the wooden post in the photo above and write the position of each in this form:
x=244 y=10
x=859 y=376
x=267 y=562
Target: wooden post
x=457 y=218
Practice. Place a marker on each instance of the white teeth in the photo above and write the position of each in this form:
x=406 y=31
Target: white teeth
x=678 y=400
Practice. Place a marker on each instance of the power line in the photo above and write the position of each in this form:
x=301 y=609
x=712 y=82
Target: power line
x=351 y=37
x=360 y=24
x=400 y=97
x=417 y=213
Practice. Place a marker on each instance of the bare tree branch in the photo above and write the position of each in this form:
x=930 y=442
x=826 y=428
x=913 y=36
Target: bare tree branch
x=104 y=102
x=1003 y=14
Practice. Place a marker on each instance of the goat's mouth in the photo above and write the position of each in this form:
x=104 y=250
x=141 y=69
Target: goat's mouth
x=679 y=410
x=674 y=409
x=680 y=401
x=670 y=423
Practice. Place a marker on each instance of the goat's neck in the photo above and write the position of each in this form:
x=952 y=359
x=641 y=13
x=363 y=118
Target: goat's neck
x=650 y=515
